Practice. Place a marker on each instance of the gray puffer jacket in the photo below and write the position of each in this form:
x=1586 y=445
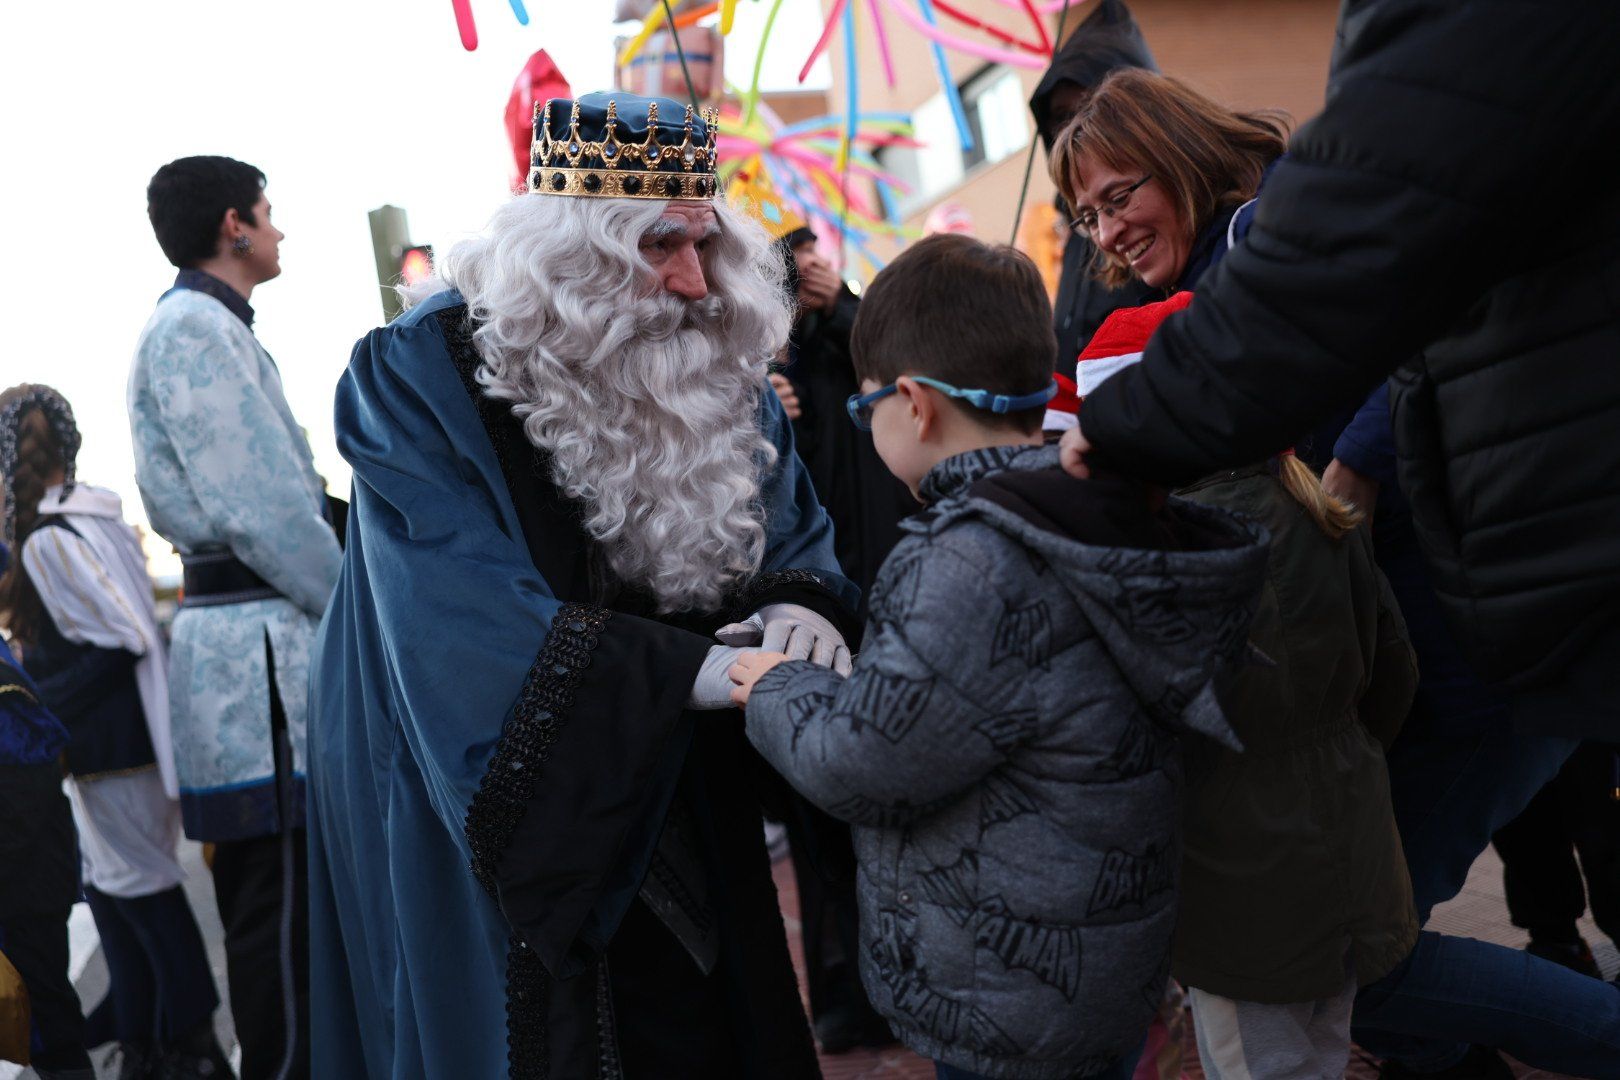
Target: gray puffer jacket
x=1007 y=750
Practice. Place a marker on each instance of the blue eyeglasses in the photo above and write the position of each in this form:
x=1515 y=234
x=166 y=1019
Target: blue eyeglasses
x=860 y=405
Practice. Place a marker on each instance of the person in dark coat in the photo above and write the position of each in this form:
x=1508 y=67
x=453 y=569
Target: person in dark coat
x=1574 y=813
x=1108 y=40
x=1380 y=244
x=39 y=869
x=865 y=503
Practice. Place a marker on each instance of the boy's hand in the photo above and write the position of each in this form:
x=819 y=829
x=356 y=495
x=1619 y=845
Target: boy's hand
x=748 y=671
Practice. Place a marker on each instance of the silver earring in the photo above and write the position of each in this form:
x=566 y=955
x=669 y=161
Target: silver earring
x=242 y=247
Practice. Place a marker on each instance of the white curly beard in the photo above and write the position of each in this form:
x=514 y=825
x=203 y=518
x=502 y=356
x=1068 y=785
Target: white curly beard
x=649 y=405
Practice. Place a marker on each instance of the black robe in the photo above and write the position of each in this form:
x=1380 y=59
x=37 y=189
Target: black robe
x=647 y=1009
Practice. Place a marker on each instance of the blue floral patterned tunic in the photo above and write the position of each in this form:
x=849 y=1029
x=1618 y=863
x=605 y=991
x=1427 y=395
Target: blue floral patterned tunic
x=223 y=466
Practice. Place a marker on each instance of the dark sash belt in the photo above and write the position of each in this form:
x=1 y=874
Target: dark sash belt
x=218 y=577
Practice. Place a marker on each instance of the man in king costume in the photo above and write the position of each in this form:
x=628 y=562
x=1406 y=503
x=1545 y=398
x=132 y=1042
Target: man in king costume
x=536 y=841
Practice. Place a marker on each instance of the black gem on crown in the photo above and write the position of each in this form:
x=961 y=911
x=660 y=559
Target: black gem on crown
x=672 y=186
x=591 y=182
x=558 y=181
x=632 y=185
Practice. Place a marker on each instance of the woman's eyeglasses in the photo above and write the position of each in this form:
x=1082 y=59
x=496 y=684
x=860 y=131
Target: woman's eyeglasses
x=1116 y=204
x=860 y=405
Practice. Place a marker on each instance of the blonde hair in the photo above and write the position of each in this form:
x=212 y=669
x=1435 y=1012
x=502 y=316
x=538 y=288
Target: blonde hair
x=1203 y=154
x=1332 y=515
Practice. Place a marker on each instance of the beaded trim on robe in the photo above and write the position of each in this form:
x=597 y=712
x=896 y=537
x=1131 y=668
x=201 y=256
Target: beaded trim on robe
x=526 y=1032
x=525 y=744
x=761 y=585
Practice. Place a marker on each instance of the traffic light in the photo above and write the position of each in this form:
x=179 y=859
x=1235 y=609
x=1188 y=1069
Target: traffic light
x=416 y=265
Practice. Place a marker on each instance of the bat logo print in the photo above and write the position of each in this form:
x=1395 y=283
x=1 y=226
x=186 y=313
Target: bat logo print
x=801 y=711
x=1128 y=880
x=1132 y=562
x=987 y=1038
x=951 y=887
x=1050 y=953
x=1136 y=753
x=1002 y=800
x=1023 y=633
x=894 y=594
x=864 y=810
x=890 y=704
x=1006 y=730
x=910 y=993
x=1152 y=609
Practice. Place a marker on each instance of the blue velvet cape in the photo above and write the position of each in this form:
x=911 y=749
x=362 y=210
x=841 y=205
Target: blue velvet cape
x=428 y=700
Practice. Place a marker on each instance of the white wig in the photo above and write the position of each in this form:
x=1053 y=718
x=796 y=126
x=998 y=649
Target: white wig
x=646 y=402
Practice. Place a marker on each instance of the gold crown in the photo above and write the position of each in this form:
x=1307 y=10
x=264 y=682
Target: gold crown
x=611 y=168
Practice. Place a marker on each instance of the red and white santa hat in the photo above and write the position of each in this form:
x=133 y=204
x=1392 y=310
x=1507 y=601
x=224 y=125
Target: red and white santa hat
x=1117 y=344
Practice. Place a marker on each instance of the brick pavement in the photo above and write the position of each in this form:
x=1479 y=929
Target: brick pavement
x=1478 y=911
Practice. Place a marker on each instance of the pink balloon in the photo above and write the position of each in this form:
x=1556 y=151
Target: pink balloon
x=465 y=25
x=972 y=48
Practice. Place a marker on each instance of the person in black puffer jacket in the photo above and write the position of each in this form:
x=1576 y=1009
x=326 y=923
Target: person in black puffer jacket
x=1386 y=240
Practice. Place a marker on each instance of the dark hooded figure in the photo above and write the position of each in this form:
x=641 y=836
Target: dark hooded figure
x=863 y=500
x=1109 y=39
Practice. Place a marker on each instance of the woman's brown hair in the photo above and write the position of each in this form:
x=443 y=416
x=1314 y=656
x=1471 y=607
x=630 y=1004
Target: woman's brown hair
x=1205 y=155
x=39 y=457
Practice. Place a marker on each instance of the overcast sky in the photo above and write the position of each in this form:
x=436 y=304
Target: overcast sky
x=344 y=104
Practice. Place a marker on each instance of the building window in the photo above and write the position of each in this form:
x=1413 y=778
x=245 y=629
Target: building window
x=993 y=98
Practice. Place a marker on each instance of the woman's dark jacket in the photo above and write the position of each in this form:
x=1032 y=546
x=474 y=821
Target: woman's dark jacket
x=1109 y=39
x=1445 y=215
x=1297 y=830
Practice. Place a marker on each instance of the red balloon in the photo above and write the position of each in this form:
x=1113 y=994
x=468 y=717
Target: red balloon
x=540 y=79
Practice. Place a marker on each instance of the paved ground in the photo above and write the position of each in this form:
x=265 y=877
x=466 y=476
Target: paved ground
x=1478 y=911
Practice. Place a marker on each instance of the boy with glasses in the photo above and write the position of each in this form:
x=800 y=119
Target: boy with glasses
x=1006 y=744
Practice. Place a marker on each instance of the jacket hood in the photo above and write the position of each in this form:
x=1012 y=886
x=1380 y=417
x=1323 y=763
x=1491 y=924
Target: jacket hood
x=1170 y=590
x=1109 y=39
x=82 y=499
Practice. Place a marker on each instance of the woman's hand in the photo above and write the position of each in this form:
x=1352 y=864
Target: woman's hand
x=748 y=670
x=1072 y=451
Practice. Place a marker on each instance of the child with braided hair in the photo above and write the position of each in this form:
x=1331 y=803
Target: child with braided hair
x=79 y=603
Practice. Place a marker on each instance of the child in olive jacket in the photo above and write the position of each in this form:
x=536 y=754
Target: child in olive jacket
x=1007 y=743
x=1294 y=889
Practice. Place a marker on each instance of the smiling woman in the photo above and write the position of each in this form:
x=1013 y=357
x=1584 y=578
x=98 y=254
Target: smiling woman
x=1153 y=171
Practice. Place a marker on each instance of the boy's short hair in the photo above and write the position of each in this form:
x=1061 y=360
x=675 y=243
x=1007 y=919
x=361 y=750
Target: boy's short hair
x=188 y=197
x=971 y=314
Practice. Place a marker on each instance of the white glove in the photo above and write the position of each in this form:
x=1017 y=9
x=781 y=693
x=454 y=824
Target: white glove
x=792 y=629
x=712 y=687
